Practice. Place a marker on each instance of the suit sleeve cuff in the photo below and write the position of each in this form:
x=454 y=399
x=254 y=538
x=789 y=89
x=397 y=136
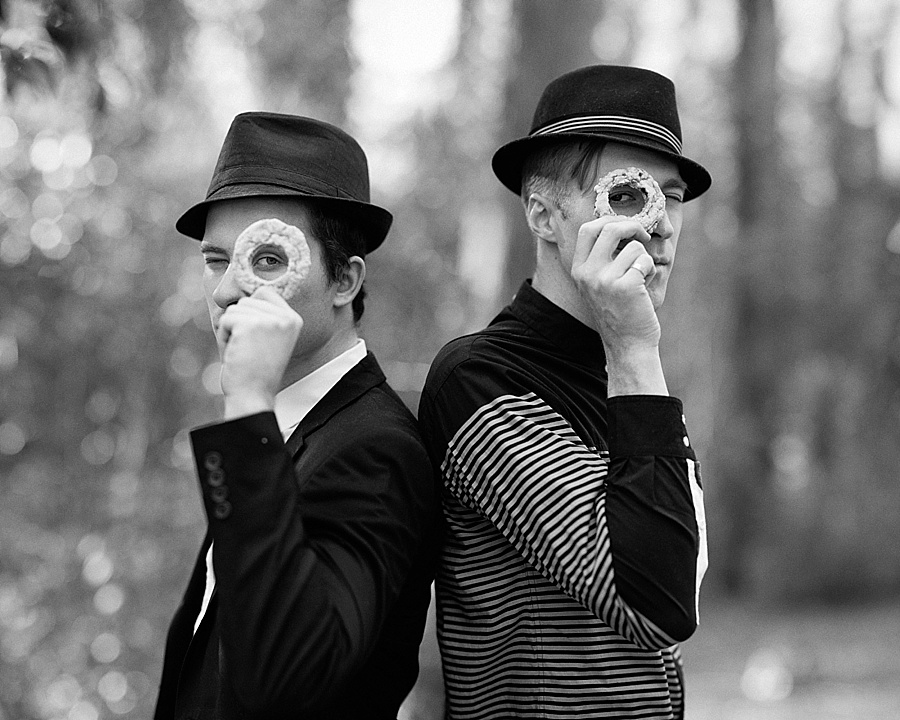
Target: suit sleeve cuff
x=230 y=454
x=647 y=425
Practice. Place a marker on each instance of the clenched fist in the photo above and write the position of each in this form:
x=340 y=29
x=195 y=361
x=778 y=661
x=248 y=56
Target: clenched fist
x=256 y=337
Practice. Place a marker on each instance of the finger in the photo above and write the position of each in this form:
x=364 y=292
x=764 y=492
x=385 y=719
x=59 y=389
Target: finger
x=223 y=333
x=269 y=294
x=263 y=316
x=627 y=257
x=588 y=235
x=242 y=312
x=226 y=325
x=598 y=240
x=263 y=299
x=259 y=307
x=644 y=265
x=253 y=312
x=265 y=305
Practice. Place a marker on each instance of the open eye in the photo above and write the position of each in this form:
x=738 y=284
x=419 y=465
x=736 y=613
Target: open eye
x=268 y=260
x=626 y=200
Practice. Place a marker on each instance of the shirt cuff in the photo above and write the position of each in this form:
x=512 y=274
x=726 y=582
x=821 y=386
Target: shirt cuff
x=647 y=425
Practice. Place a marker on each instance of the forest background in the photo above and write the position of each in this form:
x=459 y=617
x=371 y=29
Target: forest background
x=780 y=329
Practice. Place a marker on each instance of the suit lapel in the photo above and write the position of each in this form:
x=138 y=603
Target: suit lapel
x=361 y=378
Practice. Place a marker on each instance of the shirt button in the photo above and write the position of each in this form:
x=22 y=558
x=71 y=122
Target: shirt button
x=222 y=510
x=212 y=460
x=215 y=478
x=687 y=443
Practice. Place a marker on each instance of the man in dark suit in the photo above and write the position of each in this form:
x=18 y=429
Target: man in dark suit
x=309 y=596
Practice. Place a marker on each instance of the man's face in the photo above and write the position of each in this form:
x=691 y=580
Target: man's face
x=313 y=301
x=579 y=209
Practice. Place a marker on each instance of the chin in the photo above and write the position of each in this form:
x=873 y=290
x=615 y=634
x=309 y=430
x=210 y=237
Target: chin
x=657 y=289
x=657 y=297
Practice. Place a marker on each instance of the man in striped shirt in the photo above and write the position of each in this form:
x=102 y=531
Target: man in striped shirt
x=575 y=535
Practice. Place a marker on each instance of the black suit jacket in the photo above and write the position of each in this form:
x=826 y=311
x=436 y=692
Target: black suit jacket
x=324 y=551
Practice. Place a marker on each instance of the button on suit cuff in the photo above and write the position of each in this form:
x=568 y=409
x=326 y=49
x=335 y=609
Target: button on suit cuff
x=229 y=453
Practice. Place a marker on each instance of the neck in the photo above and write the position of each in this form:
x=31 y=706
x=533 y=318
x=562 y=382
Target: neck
x=300 y=367
x=553 y=282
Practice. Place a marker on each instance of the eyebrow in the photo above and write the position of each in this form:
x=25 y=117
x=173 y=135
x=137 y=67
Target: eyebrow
x=208 y=247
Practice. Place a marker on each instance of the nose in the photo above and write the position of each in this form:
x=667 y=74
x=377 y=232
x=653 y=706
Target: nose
x=227 y=291
x=664 y=228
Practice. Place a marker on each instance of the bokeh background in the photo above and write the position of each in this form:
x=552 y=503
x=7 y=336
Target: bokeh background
x=780 y=330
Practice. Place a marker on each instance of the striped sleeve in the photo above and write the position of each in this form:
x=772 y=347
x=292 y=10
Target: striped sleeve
x=520 y=464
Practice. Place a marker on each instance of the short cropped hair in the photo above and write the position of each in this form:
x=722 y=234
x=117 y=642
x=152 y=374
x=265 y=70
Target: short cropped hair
x=341 y=238
x=550 y=169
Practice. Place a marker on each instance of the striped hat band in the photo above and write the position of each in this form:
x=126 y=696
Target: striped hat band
x=613 y=123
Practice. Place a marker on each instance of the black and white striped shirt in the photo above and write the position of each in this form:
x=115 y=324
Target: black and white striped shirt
x=575 y=535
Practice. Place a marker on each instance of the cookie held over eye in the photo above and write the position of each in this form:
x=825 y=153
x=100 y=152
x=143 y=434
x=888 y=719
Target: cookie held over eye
x=277 y=235
x=643 y=187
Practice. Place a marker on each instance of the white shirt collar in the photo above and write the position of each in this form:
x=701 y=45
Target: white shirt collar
x=296 y=400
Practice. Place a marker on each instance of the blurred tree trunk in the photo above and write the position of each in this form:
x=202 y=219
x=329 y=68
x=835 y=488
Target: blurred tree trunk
x=551 y=38
x=807 y=453
x=855 y=406
x=306 y=63
x=757 y=313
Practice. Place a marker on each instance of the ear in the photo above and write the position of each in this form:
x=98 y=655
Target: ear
x=540 y=214
x=352 y=278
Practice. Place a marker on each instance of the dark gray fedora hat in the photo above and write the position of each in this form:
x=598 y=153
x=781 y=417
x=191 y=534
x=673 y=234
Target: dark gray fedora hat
x=611 y=102
x=271 y=154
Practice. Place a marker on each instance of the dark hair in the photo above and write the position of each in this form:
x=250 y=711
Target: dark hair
x=341 y=238
x=551 y=168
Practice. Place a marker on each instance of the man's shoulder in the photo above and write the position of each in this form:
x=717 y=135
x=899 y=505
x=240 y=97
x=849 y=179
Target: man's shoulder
x=372 y=415
x=382 y=401
x=472 y=372
x=490 y=346
x=372 y=439
x=452 y=355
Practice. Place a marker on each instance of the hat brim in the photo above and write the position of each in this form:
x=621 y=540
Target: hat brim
x=374 y=221
x=508 y=161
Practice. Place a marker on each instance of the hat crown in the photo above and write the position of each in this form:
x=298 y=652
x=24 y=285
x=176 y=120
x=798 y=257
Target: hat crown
x=615 y=103
x=609 y=91
x=275 y=155
x=293 y=152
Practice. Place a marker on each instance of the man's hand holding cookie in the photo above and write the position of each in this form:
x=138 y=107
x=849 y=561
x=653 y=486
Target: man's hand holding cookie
x=258 y=335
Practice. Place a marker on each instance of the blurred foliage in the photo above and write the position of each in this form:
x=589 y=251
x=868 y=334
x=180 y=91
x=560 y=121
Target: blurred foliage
x=100 y=357
x=780 y=330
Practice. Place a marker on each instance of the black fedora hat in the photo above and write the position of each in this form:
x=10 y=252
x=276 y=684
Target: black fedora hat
x=271 y=154
x=610 y=102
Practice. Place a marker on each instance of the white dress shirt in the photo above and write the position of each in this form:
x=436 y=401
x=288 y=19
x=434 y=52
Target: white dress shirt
x=291 y=406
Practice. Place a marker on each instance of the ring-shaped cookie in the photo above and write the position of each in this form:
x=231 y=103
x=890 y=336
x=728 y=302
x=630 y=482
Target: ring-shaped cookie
x=272 y=232
x=654 y=200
